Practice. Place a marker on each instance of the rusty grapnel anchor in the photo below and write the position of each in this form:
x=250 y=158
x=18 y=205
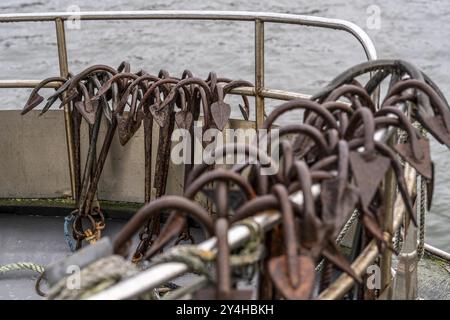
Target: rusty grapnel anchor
x=78 y=91
x=336 y=146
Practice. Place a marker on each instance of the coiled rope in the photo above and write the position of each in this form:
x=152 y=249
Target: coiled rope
x=21 y=266
x=26 y=266
x=92 y=279
x=200 y=261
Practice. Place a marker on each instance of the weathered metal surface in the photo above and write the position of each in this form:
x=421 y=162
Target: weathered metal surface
x=29 y=157
x=26 y=170
x=32 y=168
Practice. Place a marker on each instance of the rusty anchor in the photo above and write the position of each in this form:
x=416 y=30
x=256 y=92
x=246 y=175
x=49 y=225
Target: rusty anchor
x=292 y=274
x=368 y=167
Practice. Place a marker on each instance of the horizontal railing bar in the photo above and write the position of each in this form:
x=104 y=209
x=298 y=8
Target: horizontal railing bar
x=270 y=93
x=12 y=84
x=305 y=20
x=247 y=91
x=437 y=252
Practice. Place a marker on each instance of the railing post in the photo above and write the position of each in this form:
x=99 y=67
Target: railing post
x=389 y=190
x=64 y=71
x=259 y=72
x=405 y=282
x=405 y=286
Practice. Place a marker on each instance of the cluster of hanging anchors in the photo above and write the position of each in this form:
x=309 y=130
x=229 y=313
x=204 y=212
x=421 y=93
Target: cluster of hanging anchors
x=102 y=92
x=334 y=147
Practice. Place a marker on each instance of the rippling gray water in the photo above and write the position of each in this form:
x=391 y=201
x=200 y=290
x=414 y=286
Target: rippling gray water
x=297 y=58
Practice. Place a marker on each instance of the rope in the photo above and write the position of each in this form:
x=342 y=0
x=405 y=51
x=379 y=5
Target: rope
x=21 y=266
x=107 y=271
x=341 y=235
x=422 y=212
x=245 y=261
x=94 y=278
x=398 y=241
x=347 y=226
x=200 y=261
x=26 y=266
x=253 y=250
x=71 y=243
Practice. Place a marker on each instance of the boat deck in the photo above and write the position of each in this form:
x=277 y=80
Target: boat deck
x=39 y=239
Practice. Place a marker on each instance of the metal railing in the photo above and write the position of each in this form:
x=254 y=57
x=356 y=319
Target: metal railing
x=258 y=18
